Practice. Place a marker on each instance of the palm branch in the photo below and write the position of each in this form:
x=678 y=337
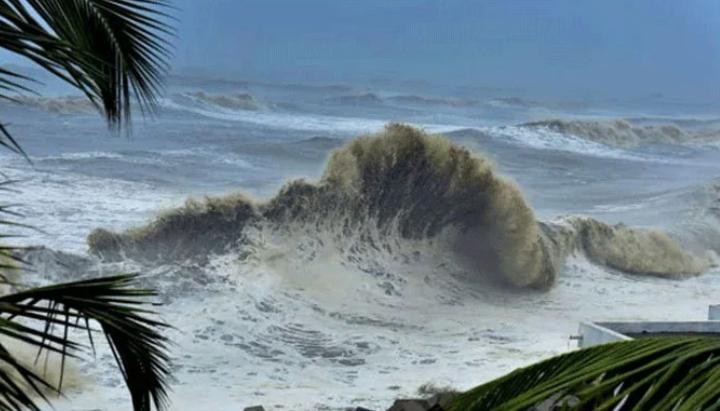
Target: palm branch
x=61 y=310
x=49 y=318
x=113 y=51
x=660 y=373
x=10 y=262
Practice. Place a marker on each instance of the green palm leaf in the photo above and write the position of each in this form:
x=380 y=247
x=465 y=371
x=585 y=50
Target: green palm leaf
x=14 y=394
x=10 y=262
x=47 y=317
x=114 y=51
x=112 y=303
x=662 y=373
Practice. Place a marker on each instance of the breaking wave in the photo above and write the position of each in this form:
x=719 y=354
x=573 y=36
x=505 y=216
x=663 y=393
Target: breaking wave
x=621 y=133
x=623 y=248
x=404 y=189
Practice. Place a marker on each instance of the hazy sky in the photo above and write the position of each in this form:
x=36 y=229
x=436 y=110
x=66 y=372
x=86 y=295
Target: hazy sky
x=568 y=48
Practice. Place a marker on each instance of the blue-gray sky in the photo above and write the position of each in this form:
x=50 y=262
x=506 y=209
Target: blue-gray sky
x=545 y=48
x=603 y=48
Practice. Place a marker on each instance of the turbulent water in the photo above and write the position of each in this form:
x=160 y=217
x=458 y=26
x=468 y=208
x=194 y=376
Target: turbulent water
x=624 y=134
x=313 y=252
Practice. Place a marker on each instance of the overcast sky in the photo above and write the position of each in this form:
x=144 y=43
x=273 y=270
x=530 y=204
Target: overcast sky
x=618 y=48
x=583 y=48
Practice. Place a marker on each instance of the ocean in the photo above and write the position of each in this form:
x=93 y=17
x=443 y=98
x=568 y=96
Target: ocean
x=300 y=279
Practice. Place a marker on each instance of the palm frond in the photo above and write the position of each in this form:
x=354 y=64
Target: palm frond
x=113 y=303
x=11 y=82
x=9 y=142
x=14 y=395
x=49 y=318
x=10 y=262
x=114 y=51
x=661 y=373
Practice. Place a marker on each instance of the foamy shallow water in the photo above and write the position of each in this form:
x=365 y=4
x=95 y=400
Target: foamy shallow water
x=276 y=328
x=259 y=339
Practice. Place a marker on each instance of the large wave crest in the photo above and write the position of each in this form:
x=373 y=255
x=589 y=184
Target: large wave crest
x=403 y=186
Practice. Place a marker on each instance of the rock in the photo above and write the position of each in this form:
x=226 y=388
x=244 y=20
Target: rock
x=410 y=405
x=441 y=401
x=438 y=402
x=361 y=409
x=255 y=408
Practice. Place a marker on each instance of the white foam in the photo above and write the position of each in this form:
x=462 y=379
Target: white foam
x=248 y=340
x=66 y=207
x=83 y=155
x=430 y=327
x=303 y=122
x=246 y=328
x=550 y=140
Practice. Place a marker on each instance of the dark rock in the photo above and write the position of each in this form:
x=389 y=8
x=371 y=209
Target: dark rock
x=255 y=408
x=362 y=409
x=438 y=402
x=441 y=401
x=410 y=405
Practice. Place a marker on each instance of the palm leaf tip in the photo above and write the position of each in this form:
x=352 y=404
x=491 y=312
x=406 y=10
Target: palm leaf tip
x=135 y=338
x=662 y=373
x=8 y=141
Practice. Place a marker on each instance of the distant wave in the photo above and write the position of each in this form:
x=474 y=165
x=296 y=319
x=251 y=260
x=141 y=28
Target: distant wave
x=269 y=118
x=199 y=99
x=236 y=101
x=683 y=122
x=431 y=101
x=289 y=120
x=405 y=100
x=514 y=102
x=356 y=99
x=620 y=133
x=404 y=189
x=545 y=139
x=61 y=104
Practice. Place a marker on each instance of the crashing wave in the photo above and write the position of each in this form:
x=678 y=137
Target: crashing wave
x=623 y=248
x=405 y=186
x=620 y=133
x=237 y=101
